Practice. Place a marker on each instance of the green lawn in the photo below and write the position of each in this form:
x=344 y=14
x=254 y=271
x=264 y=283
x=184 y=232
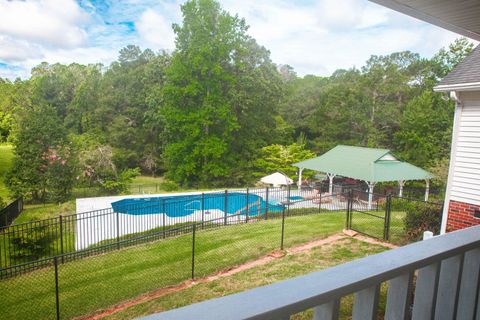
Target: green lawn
x=6 y=157
x=98 y=282
x=284 y=268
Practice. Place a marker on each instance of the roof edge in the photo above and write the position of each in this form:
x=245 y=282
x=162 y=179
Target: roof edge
x=412 y=12
x=471 y=86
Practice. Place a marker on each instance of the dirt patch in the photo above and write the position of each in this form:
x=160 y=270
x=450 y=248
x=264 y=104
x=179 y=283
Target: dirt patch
x=225 y=273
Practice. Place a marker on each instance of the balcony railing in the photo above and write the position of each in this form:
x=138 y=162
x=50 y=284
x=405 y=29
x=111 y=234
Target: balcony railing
x=446 y=286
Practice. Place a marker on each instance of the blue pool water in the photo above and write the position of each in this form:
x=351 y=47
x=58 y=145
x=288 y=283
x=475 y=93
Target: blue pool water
x=179 y=206
x=296 y=198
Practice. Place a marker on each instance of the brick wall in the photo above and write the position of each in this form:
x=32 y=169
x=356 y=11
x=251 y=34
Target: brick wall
x=460 y=215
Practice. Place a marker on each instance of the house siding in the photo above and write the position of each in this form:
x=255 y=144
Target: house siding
x=465 y=184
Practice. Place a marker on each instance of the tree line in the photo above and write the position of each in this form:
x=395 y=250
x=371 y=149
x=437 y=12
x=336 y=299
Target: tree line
x=214 y=112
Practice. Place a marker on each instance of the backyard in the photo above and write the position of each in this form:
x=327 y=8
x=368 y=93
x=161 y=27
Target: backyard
x=289 y=266
x=98 y=282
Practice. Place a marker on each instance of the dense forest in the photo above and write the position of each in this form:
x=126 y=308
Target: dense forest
x=215 y=112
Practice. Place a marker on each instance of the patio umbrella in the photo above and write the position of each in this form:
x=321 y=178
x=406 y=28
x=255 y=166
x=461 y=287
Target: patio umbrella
x=277 y=179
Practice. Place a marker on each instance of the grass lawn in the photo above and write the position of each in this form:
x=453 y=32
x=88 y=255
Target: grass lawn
x=284 y=268
x=98 y=282
x=44 y=211
x=6 y=157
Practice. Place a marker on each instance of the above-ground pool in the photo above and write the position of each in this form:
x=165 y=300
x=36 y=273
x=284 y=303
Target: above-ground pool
x=184 y=205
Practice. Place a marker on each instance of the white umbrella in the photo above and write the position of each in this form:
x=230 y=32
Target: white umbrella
x=277 y=179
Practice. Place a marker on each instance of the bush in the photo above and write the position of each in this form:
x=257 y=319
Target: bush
x=420 y=217
x=32 y=244
x=168 y=185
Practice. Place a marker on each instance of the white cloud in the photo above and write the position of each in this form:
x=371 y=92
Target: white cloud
x=330 y=34
x=155 y=30
x=13 y=50
x=315 y=37
x=47 y=22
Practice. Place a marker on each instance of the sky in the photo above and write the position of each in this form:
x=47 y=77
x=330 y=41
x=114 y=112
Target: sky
x=314 y=37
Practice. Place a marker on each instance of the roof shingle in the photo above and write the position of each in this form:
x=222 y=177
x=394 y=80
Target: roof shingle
x=467 y=71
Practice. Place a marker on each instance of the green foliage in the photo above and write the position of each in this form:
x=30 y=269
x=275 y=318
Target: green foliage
x=426 y=128
x=120 y=183
x=219 y=96
x=420 y=217
x=99 y=170
x=3 y=204
x=32 y=244
x=440 y=170
x=280 y=158
x=169 y=186
x=44 y=161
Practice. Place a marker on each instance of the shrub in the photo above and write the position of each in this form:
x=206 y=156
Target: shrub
x=168 y=185
x=32 y=244
x=420 y=217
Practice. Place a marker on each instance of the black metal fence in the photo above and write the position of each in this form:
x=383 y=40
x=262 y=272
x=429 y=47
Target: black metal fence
x=392 y=218
x=60 y=287
x=133 y=221
x=10 y=212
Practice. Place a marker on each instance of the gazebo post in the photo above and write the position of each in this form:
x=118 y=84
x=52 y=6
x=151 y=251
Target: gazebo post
x=401 y=184
x=330 y=185
x=427 y=188
x=371 y=185
x=300 y=170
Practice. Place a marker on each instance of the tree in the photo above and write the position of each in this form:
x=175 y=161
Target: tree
x=44 y=159
x=98 y=170
x=218 y=98
x=446 y=59
x=280 y=158
x=426 y=128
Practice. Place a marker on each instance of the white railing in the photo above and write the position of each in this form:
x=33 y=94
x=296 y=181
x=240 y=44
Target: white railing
x=446 y=287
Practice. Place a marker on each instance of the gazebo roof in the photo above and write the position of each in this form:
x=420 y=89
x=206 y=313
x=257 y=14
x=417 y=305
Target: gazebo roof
x=367 y=164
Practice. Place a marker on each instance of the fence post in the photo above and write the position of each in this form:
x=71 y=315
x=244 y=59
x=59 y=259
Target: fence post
x=61 y=237
x=347 y=218
x=247 y=207
x=203 y=210
x=194 y=227
x=320 y=201
x=348 y=224
x=388 y=209
x=266 y=203
x=118 y=231
x=163 y=218
x=57 y=298
x=226 y=208
x=283 y=228
x=288 y=200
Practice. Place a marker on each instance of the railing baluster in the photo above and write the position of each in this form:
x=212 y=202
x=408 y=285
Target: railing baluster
x=327 y=311
x=447 y=293
x=468 y=285
x=399 y=290
x=425 y=292
x=366 y=303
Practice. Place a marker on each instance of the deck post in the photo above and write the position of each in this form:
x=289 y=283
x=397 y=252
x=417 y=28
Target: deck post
x=401 y=184
x=371 y=185
x=330 y=183
x=300 y=170
x=427 y=188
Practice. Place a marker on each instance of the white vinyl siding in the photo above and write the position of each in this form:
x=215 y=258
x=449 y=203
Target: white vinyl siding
x=465 y=185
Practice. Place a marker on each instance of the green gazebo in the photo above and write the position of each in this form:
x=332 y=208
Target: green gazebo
x=367 y=164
